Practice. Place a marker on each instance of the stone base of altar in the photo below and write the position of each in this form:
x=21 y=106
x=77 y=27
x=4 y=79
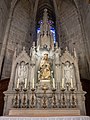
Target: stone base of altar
x=44 y=112
x=46 y=118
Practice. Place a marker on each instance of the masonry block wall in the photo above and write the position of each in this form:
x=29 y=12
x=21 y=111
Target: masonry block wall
x=87 y=26
x=71 y=31
x=71 y=34
x=4 y=13
x=19 y=34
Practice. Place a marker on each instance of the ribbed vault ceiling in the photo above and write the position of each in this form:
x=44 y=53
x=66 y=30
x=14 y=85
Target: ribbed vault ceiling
x=45 y=4
x=49 y=5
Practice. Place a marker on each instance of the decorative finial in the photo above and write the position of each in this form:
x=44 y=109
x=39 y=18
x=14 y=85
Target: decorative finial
x=66 y=49
x=23 y=48
x=45 y=16
x=34 y=44
x=75 y=54
x=15 y=53
x=45 y=10
x=15 y=50
x=56 y=44
x=30 y=51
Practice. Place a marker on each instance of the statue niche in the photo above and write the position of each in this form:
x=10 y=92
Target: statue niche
x=69 y=73
x=45 y=69
x=21 y=74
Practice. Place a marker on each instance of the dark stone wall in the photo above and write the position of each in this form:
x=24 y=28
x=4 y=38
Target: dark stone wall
x=86 y=87
x=19 y=34
x=4 y=13
x=3 y=87
x=72 y=33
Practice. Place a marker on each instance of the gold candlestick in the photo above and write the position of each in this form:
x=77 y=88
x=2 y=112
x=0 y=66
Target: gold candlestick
x=54 y=98
x=73 y=101
x=44 y=88
x=16 y=98
x=24 y=98
x=63 y=103
x=32 y=99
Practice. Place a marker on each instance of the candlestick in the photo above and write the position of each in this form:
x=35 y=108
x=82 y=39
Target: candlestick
x=53 y=83
x=18 y=83
x=33 y=83
x=25 y=82
x=71 y=83
x=62 y=82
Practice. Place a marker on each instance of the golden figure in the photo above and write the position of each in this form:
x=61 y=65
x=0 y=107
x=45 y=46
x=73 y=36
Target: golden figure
x=45 y=68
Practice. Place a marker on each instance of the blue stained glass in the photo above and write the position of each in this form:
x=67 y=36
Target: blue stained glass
x=38 y=30
x=52 y=31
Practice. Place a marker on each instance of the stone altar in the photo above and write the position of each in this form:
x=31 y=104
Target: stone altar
x=47 y=79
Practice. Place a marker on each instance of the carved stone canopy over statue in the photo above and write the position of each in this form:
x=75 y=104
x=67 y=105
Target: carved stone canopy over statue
x=45 y=68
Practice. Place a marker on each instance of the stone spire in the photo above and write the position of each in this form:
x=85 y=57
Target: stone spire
x=46 y=26
x=45 y=37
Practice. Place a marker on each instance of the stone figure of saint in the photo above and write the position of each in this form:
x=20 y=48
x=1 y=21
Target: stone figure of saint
x=22 y=73
x=45 y=73
x=68 y=72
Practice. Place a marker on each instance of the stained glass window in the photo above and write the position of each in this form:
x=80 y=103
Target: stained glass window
x=53 y=31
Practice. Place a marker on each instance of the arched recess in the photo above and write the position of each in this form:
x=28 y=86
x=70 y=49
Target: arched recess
x=70 y=32
x=20 y=33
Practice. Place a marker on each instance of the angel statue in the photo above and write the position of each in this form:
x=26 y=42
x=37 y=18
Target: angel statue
x=68 y=73
x=22 y=74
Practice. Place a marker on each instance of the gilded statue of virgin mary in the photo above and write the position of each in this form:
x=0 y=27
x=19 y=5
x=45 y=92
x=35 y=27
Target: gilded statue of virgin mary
x=45 y=73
